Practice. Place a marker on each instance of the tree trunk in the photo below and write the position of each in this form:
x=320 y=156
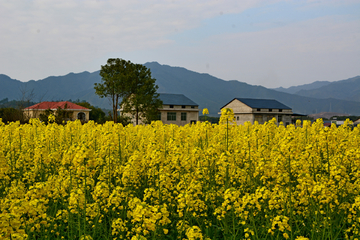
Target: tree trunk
x=137 y=116
x=113 y=105
x=116 y=106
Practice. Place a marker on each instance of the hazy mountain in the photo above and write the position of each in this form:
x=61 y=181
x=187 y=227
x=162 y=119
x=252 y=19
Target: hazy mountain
x=348 y=89
x=71 y=86
x=310 y=86
x=9 y=88
x=213 y=93
x=207 y=91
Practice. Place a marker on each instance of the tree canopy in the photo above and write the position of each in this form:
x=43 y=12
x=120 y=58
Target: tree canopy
x=142 y=101
x=10 y=114
x=130 y=86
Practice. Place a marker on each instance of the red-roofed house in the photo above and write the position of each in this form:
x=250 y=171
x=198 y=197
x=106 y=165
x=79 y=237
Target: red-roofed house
x=79 y=112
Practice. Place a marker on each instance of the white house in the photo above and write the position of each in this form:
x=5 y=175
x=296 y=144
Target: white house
x=78 y=112
x=260 y=110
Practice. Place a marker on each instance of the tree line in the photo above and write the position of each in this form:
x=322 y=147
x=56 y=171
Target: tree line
x=12 y=111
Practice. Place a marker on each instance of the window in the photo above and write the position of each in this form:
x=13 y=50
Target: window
x=183 y=106
x=171 y=116
x=279 y=118
x=269 y=117
x=258 y=109
x=158 y=116
x=270 y=110
x=171 y=106
x=192 y=106
x=237 y=118
x=183 y=116
x=280 y=110
x=259 y=118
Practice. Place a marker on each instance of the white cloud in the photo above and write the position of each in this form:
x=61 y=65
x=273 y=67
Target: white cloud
x=53 y=37
x=66 y=33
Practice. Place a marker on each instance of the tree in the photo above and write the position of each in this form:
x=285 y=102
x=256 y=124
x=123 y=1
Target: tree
x=61 y=115
x=133 y=84
x=143 y=102
x=115 y=81
x=10 y=114
x=96 y=114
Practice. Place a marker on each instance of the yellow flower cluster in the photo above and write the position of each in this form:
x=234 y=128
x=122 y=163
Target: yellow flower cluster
x=227 y=116
x=199 y=181
x=205 y=111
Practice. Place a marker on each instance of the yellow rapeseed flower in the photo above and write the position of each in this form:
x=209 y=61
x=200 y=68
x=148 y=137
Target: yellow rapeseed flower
x=205 y=111
x=137 y=180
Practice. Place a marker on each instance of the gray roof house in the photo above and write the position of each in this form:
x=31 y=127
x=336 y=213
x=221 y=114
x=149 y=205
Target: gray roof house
x=260 y=110
x=178 y=109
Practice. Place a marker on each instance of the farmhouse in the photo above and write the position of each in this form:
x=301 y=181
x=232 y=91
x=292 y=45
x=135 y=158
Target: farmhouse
x=260 y=110
x=176 y=109
x=78 y=112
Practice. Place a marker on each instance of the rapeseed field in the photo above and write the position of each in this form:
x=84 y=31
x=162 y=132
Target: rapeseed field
x=200 y=181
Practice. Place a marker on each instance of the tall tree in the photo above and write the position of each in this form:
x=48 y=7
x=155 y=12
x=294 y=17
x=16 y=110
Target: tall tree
x=143 y=101
x=133 y=85
x=115 y=82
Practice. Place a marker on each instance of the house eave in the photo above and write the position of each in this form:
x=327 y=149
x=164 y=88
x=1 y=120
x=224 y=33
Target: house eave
x=179 y=109
x=270 y=113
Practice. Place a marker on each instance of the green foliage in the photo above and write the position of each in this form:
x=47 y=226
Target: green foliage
x=61 y=115
x=143 y=101
x=44 y=116
x=124 y=120
x=115 y=82
x=11 y=111
x=5 y=103
x=96 y=114
x=5 y=100
x=10 y=114
x=209 y=119
x=133 y=85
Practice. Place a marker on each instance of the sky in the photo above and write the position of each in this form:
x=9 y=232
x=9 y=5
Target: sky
x=271 y=43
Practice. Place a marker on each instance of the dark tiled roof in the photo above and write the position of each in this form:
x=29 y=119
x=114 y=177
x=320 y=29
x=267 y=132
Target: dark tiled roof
x=176 y=99
x=261 y=103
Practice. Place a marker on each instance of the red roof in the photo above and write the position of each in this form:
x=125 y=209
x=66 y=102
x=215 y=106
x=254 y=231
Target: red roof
x=56 y=105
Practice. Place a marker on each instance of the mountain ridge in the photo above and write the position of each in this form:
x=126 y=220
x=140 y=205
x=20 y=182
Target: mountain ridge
x=347 y=89
x=309 y=86
x=206 y=90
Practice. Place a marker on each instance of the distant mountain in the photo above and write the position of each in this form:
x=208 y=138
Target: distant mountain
x=71 y=86
x=348 y=89
x=310 y=86
x=207 y=91
x=213 y=93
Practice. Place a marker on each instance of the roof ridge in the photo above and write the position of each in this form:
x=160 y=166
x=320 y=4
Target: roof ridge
x=60 y=104
x=260 y=103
